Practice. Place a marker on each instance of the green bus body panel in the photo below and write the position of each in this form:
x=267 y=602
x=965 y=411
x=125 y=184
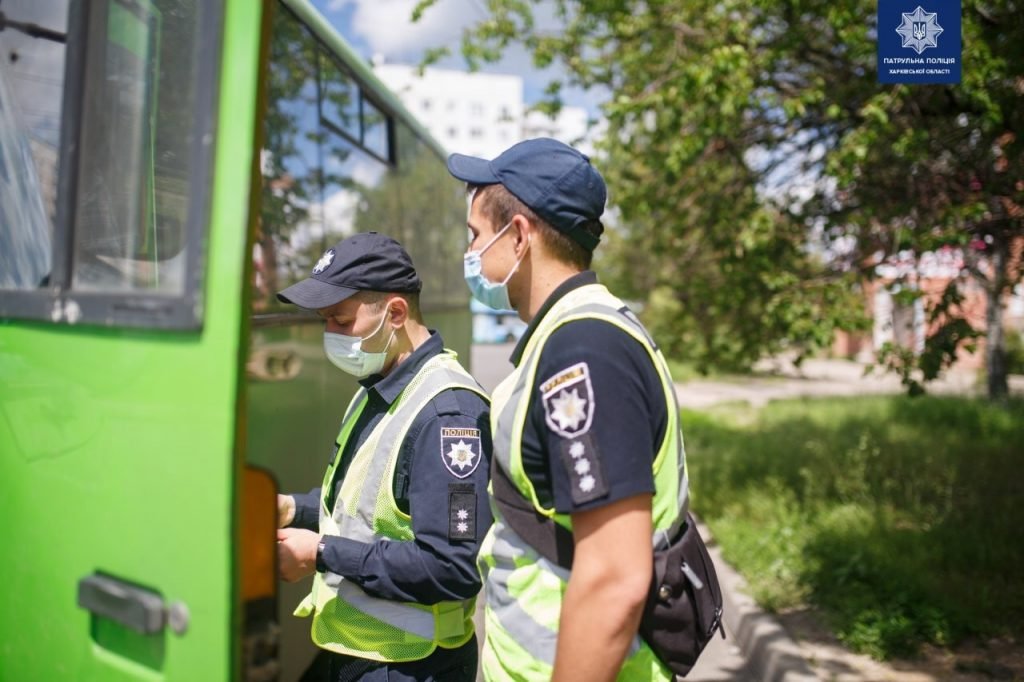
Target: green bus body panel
x=117 y=452
x=125 y=438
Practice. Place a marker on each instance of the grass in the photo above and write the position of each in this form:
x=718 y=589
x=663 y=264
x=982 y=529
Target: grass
x=901 y=519
x=683 y=371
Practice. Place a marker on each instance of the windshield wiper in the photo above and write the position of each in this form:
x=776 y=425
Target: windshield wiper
x=32 y=30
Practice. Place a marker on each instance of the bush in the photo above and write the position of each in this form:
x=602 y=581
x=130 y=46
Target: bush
x=1014 y=351
x=900 y=518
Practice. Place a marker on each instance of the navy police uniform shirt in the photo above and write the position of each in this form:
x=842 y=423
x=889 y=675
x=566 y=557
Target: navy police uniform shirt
x=598 y=413
x=440 y=481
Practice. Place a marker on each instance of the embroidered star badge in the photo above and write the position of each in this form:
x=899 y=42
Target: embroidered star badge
x=587 y=483
x=462 y=514
x=582 y=466
x=569 y=409
x=577 y=449
x=462 y=527
x=461 y=455
x=568 y=399
x=324 y=261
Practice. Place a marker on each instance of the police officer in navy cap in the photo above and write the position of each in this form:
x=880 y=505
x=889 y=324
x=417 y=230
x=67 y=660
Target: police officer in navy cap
x=588 y=470
x=392 y=535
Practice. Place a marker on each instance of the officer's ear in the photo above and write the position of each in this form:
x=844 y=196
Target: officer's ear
x=522 y=233
x=398 y=311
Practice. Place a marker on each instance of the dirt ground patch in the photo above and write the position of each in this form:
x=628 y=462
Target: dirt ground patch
x=974 y=661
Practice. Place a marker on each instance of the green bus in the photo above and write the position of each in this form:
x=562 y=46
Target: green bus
x=167 y=166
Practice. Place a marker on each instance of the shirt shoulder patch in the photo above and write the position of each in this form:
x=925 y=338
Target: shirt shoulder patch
x=461 y=511
x=460 y=450
x=568 y=399
x=582 y=462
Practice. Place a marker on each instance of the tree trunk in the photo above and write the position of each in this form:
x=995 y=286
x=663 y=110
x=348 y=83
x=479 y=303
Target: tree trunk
x=995 y=347
x=270 y=279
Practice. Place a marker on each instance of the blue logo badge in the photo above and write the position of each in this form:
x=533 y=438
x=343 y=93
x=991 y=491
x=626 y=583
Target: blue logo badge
x=919 y=41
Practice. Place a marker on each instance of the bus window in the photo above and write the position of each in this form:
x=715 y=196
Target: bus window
x=106 y=139
x=375 y=131
x=290 y=221
x=137 y=147
x=31 y=87
x=339 y=98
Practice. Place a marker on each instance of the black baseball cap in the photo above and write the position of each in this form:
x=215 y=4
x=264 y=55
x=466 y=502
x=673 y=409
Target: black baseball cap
x=556 y=181
x=368 y=261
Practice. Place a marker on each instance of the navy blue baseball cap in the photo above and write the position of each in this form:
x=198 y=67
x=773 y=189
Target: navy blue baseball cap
x=556 y=181
x=363 y=262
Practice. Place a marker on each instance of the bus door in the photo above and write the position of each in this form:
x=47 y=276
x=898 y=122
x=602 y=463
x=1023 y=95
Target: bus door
x=126 y=134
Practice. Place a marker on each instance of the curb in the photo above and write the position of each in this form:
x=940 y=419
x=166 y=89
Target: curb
x=771 y=654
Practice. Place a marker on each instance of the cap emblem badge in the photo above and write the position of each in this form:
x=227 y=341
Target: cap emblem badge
x=324 y=261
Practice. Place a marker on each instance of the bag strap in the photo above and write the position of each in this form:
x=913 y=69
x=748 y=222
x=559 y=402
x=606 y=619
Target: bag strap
x=550 y=540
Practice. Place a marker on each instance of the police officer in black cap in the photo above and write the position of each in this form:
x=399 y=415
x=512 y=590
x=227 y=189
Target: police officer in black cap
x=392 y=535
x=588 y=467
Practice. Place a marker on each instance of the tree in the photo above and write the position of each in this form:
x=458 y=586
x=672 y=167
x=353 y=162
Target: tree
x=936 y=166
x=748 y=140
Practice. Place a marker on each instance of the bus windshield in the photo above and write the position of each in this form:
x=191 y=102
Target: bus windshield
x=31 y=86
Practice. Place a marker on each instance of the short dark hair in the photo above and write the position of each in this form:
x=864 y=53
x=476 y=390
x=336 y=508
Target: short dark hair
x=377 y=299
x=500 y=206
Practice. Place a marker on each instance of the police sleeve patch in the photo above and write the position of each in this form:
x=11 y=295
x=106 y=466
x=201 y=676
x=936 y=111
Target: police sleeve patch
x=568 y=399
x=582 y=463
x=461 y=511
x=460 y=450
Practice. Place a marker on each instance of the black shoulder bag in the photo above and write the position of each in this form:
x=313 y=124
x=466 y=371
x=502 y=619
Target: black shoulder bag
x=684 y=603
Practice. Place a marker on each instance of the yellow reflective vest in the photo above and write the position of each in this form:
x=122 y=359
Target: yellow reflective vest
x=523 y=589
x=346 y=619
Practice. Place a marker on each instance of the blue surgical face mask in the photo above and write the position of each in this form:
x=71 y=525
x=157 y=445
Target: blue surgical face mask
x=491 y=294
x=346 y=352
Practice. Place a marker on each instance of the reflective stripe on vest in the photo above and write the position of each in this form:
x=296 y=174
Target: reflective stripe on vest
x=524 y=590
x=346 y=619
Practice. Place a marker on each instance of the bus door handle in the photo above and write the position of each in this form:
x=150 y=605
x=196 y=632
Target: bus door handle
x=137 y=608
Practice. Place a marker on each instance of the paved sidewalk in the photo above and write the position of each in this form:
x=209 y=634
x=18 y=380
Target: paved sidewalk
x=766 y=651
x=779 y=379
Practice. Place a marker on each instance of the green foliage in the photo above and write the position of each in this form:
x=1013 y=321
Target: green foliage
x=1015 y=352
x=714 y=105
x=900 y=518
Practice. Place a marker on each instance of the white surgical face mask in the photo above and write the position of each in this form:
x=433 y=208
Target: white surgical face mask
x=491 y=294
x=346 y=352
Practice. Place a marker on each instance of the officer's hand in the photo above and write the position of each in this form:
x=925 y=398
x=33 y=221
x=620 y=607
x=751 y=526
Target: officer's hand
x=285 y=510
x=296 y=553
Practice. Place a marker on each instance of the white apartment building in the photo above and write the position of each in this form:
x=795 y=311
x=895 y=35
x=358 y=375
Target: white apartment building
x=569 y=126
x=480 y=114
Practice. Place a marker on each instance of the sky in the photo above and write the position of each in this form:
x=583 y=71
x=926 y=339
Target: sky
x=385 y=27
